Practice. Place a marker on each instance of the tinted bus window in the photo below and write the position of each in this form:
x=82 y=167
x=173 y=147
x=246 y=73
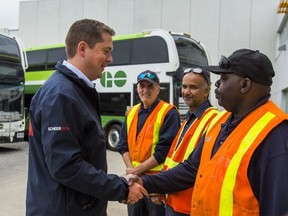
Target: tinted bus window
x=114 y=104
x=11 y=69
x=121 y=52
x=55 y=55
x=140 y=51
x=36 y=60
x=9 y=50
x=149 y=50
x=189 y=52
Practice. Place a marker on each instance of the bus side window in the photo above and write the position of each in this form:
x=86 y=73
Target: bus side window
x=55 y=55
x=140 y=51
x=36 y=60
x=121 y=53
x=149 y=50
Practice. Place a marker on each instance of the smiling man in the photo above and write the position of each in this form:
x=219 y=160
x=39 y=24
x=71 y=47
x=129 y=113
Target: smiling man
x=146 y=136
x=195 y=92
x=67 y=173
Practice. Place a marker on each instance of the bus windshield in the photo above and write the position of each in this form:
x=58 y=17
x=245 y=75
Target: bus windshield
x=190 y=52
x=12 y=77
x=10 y=59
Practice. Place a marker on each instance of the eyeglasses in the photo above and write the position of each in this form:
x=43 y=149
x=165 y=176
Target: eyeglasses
x=224 y=62
x=199 y=71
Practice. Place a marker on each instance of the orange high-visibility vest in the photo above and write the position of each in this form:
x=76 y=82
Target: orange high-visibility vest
x=141 y=147
x=222 y=186
x=181 y=201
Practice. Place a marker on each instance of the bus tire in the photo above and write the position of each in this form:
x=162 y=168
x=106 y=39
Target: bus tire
x=113 y=136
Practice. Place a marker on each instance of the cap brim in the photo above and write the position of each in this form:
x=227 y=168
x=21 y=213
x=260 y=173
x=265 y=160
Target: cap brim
x=218 y=70
x=149 y=80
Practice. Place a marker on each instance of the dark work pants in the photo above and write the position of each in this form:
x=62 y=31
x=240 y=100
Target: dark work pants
x=170 y=212
x=145 y=207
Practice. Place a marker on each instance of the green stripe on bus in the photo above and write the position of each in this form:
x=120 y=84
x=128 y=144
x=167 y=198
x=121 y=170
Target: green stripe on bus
x=31 y=89
x=38 y=75
x=45 y=47
x=129 y=36
x=105 y=119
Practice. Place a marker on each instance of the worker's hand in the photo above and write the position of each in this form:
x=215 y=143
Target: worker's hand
x=134 y=179
x=157 y=198
x=131 y=170
x=136 y=192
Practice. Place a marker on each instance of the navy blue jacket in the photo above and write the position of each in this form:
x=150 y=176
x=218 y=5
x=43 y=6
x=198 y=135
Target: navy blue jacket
x=67 y=151
x=267 y=171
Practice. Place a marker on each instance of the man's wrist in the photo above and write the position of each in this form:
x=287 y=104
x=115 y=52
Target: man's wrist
x=126 y=193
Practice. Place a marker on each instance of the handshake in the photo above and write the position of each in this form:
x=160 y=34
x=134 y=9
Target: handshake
x=137 y=191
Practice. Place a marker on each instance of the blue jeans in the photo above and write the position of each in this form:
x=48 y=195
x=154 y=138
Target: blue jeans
x=145 y=207
x=170 y=212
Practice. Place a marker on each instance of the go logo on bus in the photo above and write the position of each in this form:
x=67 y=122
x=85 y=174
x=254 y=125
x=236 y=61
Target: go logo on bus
x=108 y=81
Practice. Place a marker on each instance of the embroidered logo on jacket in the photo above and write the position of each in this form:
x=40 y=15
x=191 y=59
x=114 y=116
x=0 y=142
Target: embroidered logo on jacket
x=58 y=129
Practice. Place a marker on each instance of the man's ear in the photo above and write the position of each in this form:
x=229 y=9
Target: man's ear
x=207 y=90
x=245 y=85
x=82 y=46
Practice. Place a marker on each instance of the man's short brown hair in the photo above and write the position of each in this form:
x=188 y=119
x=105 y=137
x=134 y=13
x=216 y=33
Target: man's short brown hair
x=87 y=30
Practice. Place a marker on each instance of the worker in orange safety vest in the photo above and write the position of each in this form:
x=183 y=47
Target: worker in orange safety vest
x=195 y=92
x=146 y=136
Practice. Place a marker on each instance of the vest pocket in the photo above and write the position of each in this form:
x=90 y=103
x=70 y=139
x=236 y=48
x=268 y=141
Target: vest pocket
x=240 y=210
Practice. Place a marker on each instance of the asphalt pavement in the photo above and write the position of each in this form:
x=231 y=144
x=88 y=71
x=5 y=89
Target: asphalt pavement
x=13 y=179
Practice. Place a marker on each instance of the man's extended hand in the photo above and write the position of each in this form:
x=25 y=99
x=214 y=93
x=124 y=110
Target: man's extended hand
x=136 y=191
x=155 y=198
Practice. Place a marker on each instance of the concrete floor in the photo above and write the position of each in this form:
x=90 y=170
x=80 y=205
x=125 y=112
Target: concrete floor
x=13 y=179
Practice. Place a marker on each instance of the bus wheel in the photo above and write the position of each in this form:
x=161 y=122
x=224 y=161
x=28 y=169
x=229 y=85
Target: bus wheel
x=113 y=136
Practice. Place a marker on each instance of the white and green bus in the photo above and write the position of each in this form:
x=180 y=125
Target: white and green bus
x=13 y=63
x=166 y=53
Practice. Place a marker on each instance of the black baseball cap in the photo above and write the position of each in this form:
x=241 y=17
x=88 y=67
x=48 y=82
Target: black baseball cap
x=246 y=63
x=148 y=75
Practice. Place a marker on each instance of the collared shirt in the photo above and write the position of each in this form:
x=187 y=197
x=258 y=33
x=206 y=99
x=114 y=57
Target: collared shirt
x=190 y=117
x=79 y=73
x=231 y=124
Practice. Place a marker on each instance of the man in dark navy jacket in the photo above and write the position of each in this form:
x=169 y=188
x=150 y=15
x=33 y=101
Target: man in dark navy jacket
x=67 y=172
